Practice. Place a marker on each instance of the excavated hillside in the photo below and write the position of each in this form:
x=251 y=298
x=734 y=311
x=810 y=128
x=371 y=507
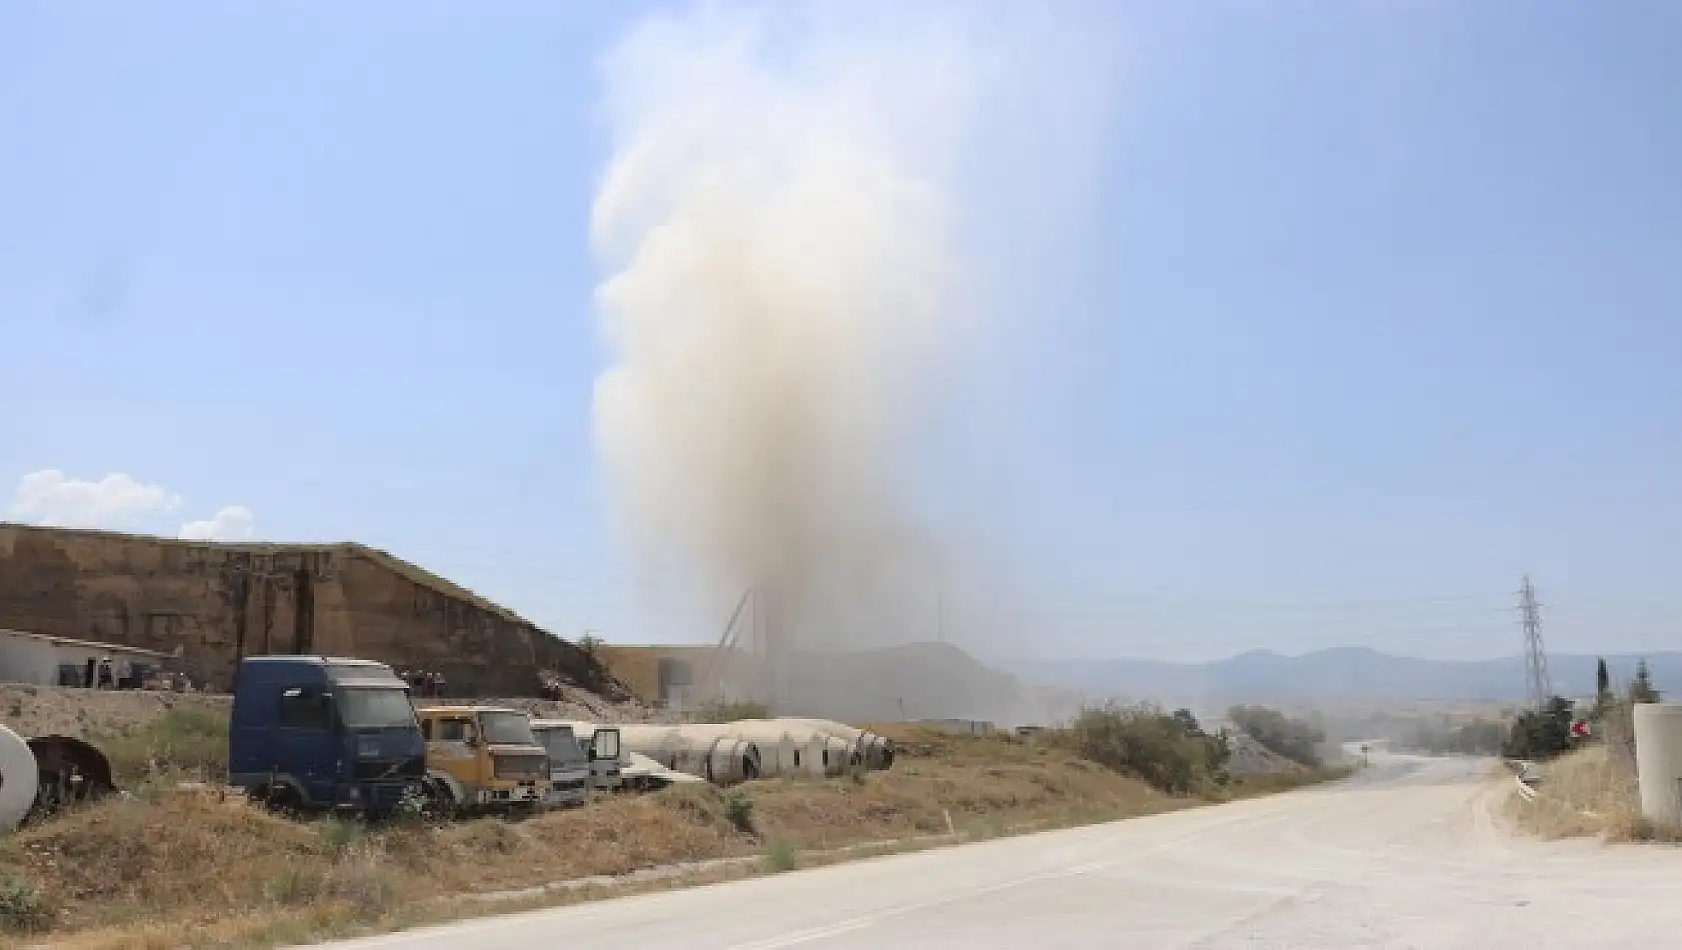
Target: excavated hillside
x=216 y=602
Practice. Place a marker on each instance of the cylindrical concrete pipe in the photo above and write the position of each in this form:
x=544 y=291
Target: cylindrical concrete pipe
x=730 y=760
x=19 y=779
x=839 y=755
x=814 y=751
x=1658 y=761
x=877 y=752
x=706 y=751
x=781 y=752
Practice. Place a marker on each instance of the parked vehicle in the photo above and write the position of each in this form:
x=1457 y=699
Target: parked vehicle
x=314 y=733
x=606 y=754
x=569 y=765
x=483 y=758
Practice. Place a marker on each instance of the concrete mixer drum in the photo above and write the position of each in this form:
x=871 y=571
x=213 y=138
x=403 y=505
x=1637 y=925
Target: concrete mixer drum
x=17 y=779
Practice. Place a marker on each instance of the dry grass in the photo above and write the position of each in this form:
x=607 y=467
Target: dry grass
x=1584 y=793
x=199 y=870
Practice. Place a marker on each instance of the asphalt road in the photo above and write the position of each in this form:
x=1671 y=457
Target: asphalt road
x=1406 y=855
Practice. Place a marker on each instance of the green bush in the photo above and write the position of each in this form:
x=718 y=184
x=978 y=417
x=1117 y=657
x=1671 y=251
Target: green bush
x=1167 y=750
x=781 y=855
x=1541 y=733
x=1292 y=738
x=23 y=909
x=738 y=808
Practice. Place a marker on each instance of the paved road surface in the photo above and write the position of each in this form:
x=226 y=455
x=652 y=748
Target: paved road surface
x=1407 y=855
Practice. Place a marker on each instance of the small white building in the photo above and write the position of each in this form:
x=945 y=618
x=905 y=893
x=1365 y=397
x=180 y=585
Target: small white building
x=44 y=660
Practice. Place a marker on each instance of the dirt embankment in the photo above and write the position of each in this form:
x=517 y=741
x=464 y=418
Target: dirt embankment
x=172 y=868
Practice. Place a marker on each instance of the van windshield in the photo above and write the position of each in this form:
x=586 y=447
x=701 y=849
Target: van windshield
x=363 y=708
x=561 y=744
x=506 y=729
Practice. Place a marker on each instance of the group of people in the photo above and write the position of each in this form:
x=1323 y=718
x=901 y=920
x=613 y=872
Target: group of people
x=423 y=682
x=101 y=673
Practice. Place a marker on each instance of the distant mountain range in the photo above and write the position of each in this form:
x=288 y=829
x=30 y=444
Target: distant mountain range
x=1340 y=674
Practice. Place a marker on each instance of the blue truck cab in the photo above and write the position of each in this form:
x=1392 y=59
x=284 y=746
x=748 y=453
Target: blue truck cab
x=315 y=733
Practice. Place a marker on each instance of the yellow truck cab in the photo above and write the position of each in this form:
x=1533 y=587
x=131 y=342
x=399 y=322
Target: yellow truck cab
x=483 y=758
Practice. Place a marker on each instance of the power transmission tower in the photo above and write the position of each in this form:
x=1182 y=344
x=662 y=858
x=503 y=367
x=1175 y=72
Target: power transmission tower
x=1537 y=684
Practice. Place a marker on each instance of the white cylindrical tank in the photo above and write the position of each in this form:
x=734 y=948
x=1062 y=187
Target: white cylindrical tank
x=19 y=779
x=1658 y=760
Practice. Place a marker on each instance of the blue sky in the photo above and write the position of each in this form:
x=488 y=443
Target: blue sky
x=1372 y=308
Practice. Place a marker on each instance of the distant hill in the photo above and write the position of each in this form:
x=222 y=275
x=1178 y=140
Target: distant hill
x=1338 y=674
x=916 y=681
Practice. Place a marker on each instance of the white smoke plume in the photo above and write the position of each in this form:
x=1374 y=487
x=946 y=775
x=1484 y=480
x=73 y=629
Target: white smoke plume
x=782 y=222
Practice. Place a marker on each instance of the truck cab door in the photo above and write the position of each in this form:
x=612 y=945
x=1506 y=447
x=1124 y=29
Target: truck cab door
x=306 y=747
x=453 y=747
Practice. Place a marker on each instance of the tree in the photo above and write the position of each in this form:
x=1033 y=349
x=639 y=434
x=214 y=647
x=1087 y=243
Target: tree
x=1541 y=733
x=1188 y=722
x=1641 y=689
x=1604 y=698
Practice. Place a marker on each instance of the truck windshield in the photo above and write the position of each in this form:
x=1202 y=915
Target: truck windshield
x=364 y=708
x=506 y=729
x=561 y=745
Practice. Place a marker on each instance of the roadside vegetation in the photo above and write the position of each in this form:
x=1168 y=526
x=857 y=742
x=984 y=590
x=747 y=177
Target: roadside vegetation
x=1584 y=793
x=173 y=866
x=1588 y=787
x=178 y=745
x=1295 y=739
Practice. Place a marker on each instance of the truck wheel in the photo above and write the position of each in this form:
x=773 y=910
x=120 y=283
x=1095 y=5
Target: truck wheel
x=281 y=799
x=441 y=802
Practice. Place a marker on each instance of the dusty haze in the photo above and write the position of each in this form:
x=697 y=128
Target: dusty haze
x=788 y=289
